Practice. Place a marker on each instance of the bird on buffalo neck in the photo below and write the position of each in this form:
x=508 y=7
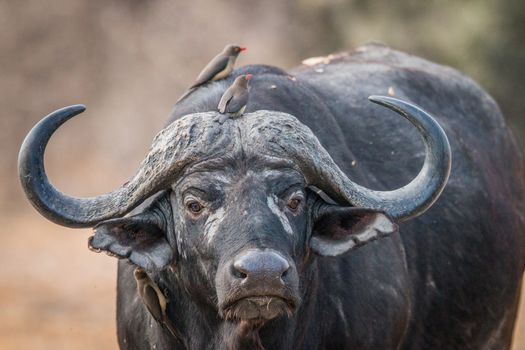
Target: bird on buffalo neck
x=155 y=301
x=218 y=68
x=151 y=295
x=235 y=98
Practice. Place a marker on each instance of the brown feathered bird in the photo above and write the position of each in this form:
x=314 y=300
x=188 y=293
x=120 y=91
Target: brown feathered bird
x=218 y=68
x=151 y=295
x=235 y=98
x=155 y=301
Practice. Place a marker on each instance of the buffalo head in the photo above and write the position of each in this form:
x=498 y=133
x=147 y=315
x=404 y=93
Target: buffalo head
x=237 y=209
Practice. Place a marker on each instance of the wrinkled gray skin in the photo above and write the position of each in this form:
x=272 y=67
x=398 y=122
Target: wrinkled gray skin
x=450 y=279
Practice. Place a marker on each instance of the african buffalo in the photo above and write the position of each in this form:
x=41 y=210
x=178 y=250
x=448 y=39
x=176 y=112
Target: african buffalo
x=253 y=232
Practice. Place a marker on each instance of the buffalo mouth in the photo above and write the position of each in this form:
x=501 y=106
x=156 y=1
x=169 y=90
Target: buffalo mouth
x=258 y=308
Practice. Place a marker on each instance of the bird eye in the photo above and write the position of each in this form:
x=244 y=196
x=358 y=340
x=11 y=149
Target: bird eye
x=294 y=203
x=194 y=207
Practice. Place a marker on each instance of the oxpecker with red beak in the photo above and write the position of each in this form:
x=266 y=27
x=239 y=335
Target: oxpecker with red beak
x=218 y=68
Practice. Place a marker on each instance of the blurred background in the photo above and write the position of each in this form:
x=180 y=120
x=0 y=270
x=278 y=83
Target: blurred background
x=129 y=61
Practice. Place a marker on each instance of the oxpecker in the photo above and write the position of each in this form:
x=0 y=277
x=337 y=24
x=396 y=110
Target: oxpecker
x=218 y=68
x=151 y=295
x=155 y=301
x=235 y=98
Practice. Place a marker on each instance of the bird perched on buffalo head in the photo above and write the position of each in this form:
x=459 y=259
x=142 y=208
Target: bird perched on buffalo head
x=235 y=98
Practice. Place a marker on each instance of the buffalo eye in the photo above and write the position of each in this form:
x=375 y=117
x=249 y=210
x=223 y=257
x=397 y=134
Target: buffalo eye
x=293 y=203
x=194 y=207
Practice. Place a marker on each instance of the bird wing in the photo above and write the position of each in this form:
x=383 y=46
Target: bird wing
x=237 y=101
x=225 y=99
x=216 y=65
x=151 y=300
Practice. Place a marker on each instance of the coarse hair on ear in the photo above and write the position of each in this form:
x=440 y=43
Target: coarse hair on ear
x=338 y=230
x=141 y=238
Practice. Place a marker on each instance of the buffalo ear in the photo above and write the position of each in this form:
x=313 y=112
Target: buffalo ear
x=340 y=229
x=138 y=238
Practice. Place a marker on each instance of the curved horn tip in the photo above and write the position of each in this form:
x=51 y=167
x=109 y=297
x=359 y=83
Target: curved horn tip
x=76 y=108
x=397 y=105
x=79 y=107
x=61 y=115
x=73 y=109
x=386 y=100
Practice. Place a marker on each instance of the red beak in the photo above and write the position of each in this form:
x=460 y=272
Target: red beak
x=243 y=49
x=248 y=76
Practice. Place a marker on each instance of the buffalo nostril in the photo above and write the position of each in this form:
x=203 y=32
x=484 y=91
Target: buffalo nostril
x=238 y=272
x=260 y=265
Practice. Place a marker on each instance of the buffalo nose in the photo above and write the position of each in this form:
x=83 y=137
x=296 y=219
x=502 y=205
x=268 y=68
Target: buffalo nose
x=260 y=265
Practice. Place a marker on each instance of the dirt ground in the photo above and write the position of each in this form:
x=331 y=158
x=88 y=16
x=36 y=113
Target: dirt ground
x=56 y=294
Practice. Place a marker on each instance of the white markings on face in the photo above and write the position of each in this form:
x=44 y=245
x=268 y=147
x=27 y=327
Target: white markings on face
x=212 y=224
x=180 y=246
x=297 y=193
x=272 y=201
